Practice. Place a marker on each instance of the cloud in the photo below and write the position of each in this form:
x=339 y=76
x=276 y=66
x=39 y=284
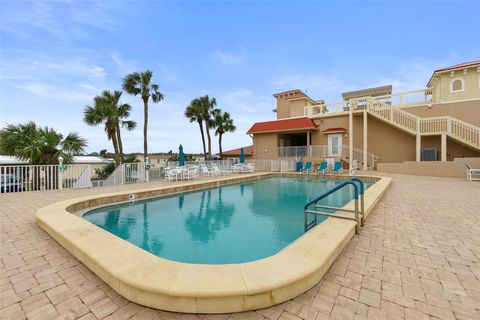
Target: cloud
x=33 y=66
x=236 y=57
x=74 y=93
x=125 y=65
x=60 y=19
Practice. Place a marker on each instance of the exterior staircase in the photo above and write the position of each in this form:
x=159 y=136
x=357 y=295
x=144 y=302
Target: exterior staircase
x=454 y=128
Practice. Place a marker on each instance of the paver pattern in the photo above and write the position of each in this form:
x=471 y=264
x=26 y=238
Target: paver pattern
x=417 y=257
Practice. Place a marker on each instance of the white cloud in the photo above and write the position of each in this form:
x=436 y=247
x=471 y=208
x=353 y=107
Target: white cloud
x=234 y=57
x=61 y=19
x=74 y=93
x=125 y=65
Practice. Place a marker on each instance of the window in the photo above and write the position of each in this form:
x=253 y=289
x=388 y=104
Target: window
x=457 y=85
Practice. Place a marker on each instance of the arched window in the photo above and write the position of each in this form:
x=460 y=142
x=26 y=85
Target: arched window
x=457 y=85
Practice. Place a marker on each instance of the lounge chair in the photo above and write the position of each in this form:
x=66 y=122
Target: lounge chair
x=337 y=168
x=323 y=167
x=472 y=174
x=249 y=168
x=207 y=172
x=238 y=168
x=307 y=168
x=219 y=171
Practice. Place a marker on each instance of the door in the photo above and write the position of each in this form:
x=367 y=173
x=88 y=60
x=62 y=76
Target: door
x=335 y=145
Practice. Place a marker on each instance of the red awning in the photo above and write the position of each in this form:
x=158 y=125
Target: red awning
x=291 y=124
x=334 y=130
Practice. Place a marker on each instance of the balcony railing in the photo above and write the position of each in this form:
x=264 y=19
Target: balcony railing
x=401 y=99
x=295 y=151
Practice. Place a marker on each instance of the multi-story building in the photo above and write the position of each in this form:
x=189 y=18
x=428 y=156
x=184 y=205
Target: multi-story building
x=376 y=126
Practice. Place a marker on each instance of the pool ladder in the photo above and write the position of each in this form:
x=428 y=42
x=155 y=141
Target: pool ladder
x=359 y=211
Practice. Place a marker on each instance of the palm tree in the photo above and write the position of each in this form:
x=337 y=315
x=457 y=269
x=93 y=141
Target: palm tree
x=107 y=109
x=39 y=146
x=208 y=110
x=139 y=83
x=223 y=123
x=194 y=113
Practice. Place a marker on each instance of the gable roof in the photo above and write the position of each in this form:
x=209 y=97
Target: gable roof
x=463 y=65
x=291 y=124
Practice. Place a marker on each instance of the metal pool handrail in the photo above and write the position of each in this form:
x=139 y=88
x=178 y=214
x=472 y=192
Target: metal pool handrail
x=310 y=225
x=362 y=199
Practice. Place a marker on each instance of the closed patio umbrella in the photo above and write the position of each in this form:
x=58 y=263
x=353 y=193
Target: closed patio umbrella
x=242 y=155
x=181 y=156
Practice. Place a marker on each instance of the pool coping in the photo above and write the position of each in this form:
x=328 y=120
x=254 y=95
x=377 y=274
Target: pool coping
x=156 y=282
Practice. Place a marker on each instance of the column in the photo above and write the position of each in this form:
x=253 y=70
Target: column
x=350 y=138
x=444 y=147
x=418 y=144
x=365 y=136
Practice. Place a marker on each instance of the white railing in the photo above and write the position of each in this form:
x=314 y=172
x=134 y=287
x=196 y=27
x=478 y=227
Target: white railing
x=294 y=151
x=401 y=99
x=288 y=165
x=465 y=132
x=321 y=151
x=127 y=173
x=318 y=109
x=134 y=172
x=460 y=130
x=358 y=156
x=116 y=177
x=396 y=116
x=24 y=178
x=408 y=98
x=436 y=125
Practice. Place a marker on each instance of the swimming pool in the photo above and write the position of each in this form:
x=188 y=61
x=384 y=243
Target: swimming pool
x=223 y=225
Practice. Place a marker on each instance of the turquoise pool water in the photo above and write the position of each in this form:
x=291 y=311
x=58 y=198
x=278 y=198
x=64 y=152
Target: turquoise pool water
x=229 y=224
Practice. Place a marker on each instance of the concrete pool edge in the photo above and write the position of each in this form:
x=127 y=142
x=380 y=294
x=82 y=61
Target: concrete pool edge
x=152 y=281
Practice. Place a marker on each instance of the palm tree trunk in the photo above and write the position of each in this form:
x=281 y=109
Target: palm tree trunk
x=115 y=148
x=220 y=145
x=200 y=124
x=207 y=124
x=120 y=144
x=145 y=126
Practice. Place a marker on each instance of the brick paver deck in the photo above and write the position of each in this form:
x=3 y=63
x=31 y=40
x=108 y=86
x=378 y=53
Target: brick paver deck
x=418 y=257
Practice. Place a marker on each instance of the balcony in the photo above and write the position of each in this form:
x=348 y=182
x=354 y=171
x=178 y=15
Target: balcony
x=400 y=100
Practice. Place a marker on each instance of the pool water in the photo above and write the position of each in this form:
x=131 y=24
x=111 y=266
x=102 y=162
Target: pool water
x=229 y=224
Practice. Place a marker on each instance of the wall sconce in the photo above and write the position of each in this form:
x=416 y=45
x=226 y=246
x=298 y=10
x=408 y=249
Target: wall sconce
x=266 y=150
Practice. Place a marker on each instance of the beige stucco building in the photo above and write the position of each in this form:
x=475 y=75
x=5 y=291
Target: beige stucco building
x=376 y=126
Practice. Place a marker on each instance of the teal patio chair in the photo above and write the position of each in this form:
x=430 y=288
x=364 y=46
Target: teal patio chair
x=323 y=167
x=308 y=167
x=338 y=168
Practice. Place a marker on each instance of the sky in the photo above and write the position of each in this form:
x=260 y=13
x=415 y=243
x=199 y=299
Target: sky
x=56 y=56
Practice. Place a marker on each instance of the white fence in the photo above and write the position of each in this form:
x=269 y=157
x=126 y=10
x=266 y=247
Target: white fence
x=127 y=173
x=24 y=178
x=321 y=151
